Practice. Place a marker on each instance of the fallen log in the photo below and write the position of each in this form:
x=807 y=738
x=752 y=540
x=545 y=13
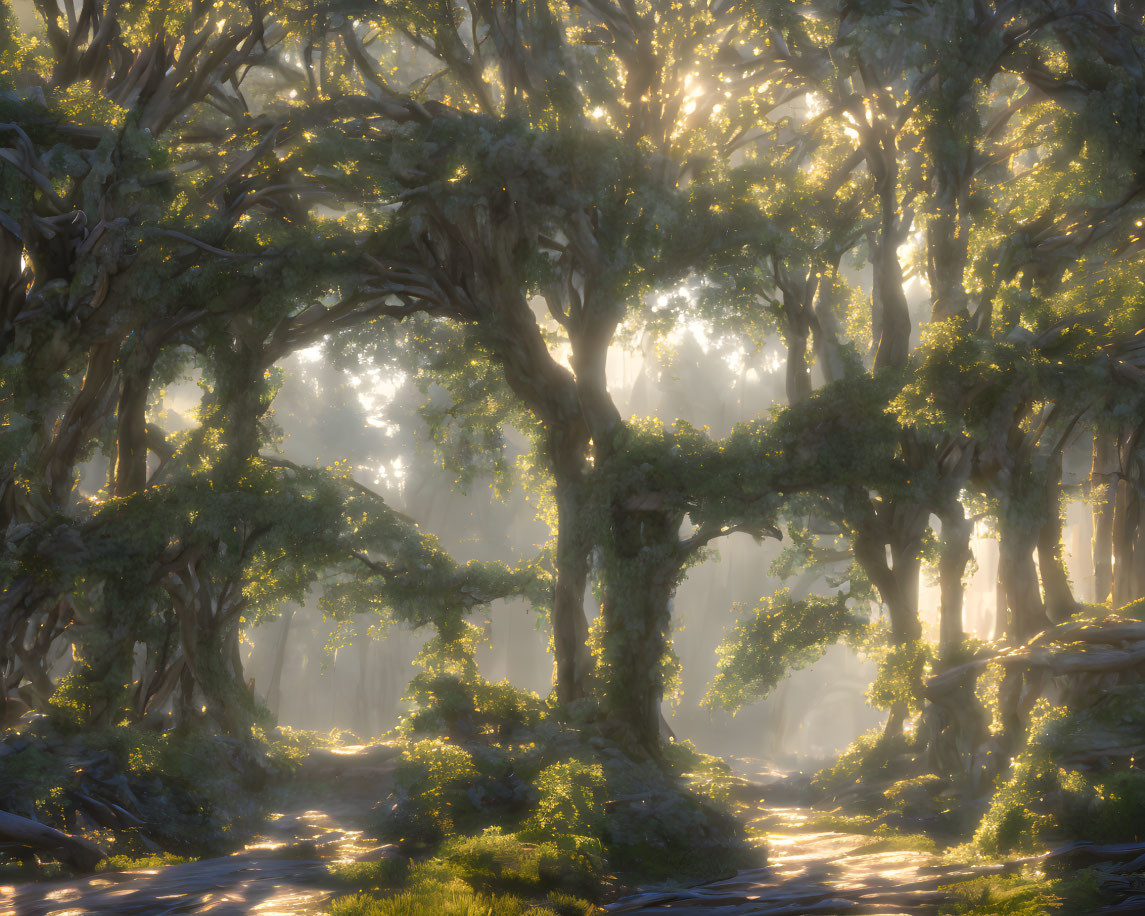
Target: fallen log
x=1094 y=852
x=80 y=854
x=1057 y=661
x=1109 y=633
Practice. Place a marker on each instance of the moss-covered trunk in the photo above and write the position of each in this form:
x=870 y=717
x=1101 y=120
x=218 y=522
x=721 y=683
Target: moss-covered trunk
x=1060 y=603
x=897 y=531
x=572 y=660
x=642 y=566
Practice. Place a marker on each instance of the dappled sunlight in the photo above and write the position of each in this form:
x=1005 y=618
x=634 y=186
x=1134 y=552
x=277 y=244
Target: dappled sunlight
x=810 y=871
x=568 y=393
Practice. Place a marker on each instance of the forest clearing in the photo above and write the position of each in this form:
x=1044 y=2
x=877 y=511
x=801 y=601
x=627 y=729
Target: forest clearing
x=567 y=457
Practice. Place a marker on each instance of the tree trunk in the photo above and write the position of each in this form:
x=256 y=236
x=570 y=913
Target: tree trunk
x=274 y=686
x=571 y=657
x=825 y=339
x=637 y=618
x=1060 y=603
x=1124 y=518
x=1127 y=518
x=890 y=313
x=1103 y=493
x=798 y=294
x=642 y=567
x=131 y=434
x=896 y=580
x=798 y=381
x=897 y=584
x=955 y=555
x=80 y=854
x=1019 y=578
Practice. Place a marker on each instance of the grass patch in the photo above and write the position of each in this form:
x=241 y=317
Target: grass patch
x=375 y=875
x=132 y=863
x=888 y=840
x=872 y=757
x=450 y=901
x=490 y=875
x=1001 y=895
x=837 y=822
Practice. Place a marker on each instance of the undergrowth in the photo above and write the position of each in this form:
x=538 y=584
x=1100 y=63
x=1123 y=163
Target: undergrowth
x=513 y=809
x=1052 y=795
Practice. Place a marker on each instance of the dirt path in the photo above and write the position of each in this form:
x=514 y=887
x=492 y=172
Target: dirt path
x=811 y=872
x=282 y=872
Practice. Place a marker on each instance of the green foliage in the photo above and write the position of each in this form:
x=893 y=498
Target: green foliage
x=1002 y=895
x=449 y=697
x=900 y=673
x=782 y=635
x=498 y=862
x=572 y=801
x=838 y=822
x=708 y=776
x=295 y=743
x=889 y=840
x=433 y=779
x=576 y=804
x=132 y=863
x=490 y=873
x=195 y=790
x=873 y=756
x=1046 y=798
x=381 y=873
x=447 y=900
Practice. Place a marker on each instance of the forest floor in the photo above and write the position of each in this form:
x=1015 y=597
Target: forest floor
x=812 y=871
x=285 y=870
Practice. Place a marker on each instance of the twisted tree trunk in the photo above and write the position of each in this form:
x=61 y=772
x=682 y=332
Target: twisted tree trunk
x=1060 y=603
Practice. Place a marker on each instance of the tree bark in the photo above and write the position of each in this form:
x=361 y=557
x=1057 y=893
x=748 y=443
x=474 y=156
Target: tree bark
x=955 y=555
x=131 y=433
x=896 y=581
x=1103 y=492
x=274 y=687
x=1019 y=577
x=571 y=657
x=798 y=381
x=642 y=568
x=1060 y=603
x=80 y=854
x=1127 y=517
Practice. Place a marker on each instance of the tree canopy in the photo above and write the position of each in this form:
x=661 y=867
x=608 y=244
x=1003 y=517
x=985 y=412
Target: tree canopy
x=934 y=207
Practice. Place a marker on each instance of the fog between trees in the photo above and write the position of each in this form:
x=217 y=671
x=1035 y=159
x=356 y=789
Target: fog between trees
x=847 y=291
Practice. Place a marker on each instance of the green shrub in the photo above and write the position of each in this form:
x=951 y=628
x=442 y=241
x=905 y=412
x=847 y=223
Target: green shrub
x=373 y=875
x=457 y=902
x=1000 y=895
x=1042 y=802
x=433 y=779
x=704 y=774
x=871 y=756
x=496 y=861
x=473 y=877
x=572 y=795
x=889 y=840
x=132 y=863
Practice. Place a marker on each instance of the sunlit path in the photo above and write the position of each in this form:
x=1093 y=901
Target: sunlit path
x=813 y=872
x=281 y=872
